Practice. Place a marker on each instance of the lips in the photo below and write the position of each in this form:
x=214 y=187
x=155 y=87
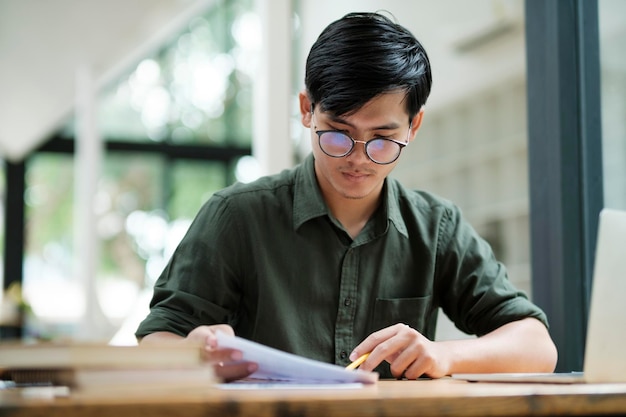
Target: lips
x=355 y=176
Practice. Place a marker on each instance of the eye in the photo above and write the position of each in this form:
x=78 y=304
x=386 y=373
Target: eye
x=337 y=137
x=378 y=144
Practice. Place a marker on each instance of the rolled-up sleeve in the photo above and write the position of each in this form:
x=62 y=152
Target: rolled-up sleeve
x=475 y=289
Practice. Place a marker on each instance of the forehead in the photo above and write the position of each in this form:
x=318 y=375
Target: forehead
x=386 y=111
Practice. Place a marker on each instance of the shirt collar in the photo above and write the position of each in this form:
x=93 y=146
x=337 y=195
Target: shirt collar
x=394 y=214
x=309 y=203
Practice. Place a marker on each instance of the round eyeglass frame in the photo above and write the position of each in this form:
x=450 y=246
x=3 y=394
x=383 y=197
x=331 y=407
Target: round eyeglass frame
x=401 y=145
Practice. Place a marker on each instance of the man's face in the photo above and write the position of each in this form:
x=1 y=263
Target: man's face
x=355 y=176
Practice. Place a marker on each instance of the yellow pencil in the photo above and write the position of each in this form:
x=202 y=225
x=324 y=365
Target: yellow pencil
x=358 y=362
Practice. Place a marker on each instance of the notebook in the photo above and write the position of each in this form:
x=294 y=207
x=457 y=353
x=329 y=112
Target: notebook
x=605 y=356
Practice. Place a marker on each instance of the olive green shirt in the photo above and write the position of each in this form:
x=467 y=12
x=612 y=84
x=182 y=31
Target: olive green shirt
x=269 y=259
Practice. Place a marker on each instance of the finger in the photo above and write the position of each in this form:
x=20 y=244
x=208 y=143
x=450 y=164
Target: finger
x=407 y=363
x=402 y=350
x=206 y=335
x=234 y=370
x=222 y=355
x=211 y=339
x=385 y=351
x=421 y=357
x=390 y=343
x=418 y=368
x=373 y=341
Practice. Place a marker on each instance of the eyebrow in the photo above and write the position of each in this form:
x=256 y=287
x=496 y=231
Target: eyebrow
x=338 y=119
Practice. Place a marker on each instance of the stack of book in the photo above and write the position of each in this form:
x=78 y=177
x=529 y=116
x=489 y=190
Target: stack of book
x=102 y=366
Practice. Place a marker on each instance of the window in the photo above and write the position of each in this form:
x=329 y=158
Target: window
x=174 y=131
x=612 y=15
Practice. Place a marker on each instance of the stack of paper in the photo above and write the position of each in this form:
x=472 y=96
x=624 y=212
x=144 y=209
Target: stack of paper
x=276 y=365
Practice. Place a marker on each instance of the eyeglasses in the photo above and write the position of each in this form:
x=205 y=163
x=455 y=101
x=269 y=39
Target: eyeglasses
x=338 y=144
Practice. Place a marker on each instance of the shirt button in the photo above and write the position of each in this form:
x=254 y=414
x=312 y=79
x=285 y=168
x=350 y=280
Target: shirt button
x=347 y=301
x=343 y=354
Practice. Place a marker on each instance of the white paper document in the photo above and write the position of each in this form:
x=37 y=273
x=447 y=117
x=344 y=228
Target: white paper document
x=288 y=385
x=276 y=365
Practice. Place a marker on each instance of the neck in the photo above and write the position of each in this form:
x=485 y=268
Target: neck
x=353 y=213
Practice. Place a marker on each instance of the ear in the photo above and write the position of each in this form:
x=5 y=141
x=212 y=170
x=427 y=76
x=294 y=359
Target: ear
x=305 y=108
x=416 y=123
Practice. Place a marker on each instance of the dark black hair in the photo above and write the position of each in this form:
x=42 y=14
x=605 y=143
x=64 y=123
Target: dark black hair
x=361 y=56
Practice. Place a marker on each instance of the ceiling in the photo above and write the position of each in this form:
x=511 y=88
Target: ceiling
x=44 y=43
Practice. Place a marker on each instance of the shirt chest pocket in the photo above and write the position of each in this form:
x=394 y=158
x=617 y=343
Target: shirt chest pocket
x=412 y=311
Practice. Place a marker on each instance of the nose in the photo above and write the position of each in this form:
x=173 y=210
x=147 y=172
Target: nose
x=358 y=153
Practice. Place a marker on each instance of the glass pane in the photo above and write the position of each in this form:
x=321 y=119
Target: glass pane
x=612 y=15
x=193 y=183
x=48 y=283
x=144 y=205
x=3 y=189
x=197 y=89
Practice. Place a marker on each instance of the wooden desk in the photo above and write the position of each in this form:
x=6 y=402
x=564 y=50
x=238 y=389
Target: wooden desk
x=444 y=397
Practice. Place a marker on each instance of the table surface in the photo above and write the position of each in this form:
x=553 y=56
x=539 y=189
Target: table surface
x=444 y=397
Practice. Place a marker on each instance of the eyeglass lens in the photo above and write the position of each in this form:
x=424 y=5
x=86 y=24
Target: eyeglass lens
x=380 y=150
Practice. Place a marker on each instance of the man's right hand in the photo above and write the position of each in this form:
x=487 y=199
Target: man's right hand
x=227 y=362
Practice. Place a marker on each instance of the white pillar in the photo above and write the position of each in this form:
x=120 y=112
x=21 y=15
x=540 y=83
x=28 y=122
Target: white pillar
x=272 y=145
x=87 y=169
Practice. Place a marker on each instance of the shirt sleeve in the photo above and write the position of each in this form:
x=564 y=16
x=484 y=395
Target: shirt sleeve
x=199 y=285
x=474 y=287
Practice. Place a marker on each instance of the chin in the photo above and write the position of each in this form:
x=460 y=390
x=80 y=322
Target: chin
x=354 y=195
x=354 y=191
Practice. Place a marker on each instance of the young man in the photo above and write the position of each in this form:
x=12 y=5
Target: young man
x=333 y=259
